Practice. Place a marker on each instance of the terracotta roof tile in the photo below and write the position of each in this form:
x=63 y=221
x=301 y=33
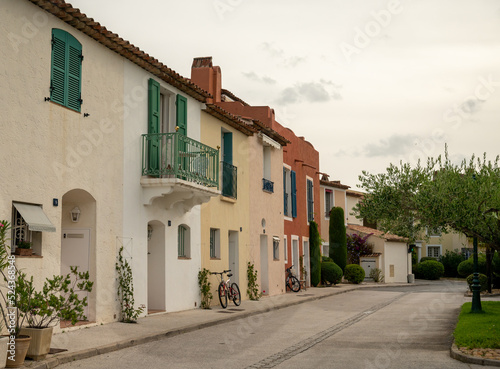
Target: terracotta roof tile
x=335 y=184
x=376 y=233
x=230 y=119
x=80 y=21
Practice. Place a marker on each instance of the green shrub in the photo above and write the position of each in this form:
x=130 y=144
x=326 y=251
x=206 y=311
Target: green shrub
x=430 y=269
x=326 y=259
x=414 y=269
x=354 y=273
x=425 y=258
x=483 y=281
x=450 y=261
x=376 y=275
x=467 y=267
x=338 y=237
x=495 y=266
x=315 y=253
x=330 y=273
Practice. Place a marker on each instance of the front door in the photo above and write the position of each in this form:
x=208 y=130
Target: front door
x=75 y=251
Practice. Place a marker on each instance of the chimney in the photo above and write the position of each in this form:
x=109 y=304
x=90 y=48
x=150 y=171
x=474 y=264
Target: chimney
x=208 y=77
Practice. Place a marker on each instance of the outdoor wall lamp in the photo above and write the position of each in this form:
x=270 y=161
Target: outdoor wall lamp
x=150 y=232
x=75 y=214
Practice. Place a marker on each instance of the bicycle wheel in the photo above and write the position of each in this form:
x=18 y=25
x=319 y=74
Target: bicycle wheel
x=222 y=296
x=235 y=294
x=294 y=284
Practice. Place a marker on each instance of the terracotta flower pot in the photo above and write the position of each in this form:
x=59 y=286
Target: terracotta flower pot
x=40 y=342
x=23 y=252
x=16 y=353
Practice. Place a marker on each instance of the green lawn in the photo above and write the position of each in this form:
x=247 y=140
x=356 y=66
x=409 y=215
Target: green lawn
x=479 y=330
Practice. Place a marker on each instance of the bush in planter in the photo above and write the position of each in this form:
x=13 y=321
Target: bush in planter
x=354 y=273
x=430 y=269
x=330 y=273
x=483 y=281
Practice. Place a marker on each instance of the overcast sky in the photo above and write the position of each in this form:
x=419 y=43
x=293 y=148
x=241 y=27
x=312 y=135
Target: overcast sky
x=366 y=82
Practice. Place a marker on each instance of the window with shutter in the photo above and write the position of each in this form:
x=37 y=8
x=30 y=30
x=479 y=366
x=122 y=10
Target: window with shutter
x=66 y=70
x=294 y=194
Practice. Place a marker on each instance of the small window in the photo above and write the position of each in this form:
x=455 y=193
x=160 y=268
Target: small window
x=310 y=201
x=285 y=250
x=28 y=223
x=325 y=249
x=434 y=251
x=276 y=248
x=214 y=243
x=183 y=242
x=66 y=70
x=328 y=202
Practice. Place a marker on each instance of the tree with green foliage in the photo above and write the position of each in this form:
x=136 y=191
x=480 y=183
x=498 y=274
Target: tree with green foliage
x=442 y=195
x=315 y=253
x=338 y=237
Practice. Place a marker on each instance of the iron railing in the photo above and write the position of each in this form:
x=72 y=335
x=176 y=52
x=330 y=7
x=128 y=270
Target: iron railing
x=267 y=185
x=229 y=180
x=175 y=155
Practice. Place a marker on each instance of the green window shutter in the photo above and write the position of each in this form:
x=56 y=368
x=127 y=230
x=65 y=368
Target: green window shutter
x=58 y=67
x=310 y=204
x=294 y=193
x=74 y=75
x=66 y=70
x=227 y=155
x=285 y=195
x=181 y=110
x=154 y=124
x=181 y=239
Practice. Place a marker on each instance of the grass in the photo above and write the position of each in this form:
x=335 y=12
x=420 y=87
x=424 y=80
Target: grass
x=480 y=330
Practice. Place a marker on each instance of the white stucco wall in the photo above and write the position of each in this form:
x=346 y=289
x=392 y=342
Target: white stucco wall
x=48 y=150
x=182 y=291
x=396 y=253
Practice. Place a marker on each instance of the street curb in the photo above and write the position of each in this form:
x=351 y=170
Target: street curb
x=456 y=354
x=87 y=353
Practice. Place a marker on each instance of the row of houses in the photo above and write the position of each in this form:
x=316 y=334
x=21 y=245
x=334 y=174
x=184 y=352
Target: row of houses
x=103 y=147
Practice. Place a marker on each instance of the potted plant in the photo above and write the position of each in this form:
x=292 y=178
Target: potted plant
x=23 y=248
x=12 y=319
x=58 y=300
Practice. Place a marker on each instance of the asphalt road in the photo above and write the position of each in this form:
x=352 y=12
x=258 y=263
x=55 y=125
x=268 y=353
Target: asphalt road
x=407 y=327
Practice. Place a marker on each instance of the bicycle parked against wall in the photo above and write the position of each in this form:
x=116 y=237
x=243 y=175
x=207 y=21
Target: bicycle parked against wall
x=292 y=282
x=228 y=290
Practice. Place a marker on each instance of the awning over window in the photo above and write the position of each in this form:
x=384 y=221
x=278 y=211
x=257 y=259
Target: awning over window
x=34 y=216
x=269 y=141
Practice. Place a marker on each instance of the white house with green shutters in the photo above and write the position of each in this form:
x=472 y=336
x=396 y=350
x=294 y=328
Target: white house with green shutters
x=168 y=173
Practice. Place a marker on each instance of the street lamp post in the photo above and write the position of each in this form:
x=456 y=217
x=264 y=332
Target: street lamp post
x=476 y=286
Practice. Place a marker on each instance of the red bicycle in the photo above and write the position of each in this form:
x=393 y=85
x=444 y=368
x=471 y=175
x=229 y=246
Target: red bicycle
x=228 y=290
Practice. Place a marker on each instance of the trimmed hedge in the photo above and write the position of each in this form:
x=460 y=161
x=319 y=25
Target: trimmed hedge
x=326 y=259
x=483 y=281
x=430 y=269
x=338 y=237
x=354 y=273
x=315 y=253
x=466 y=267
x=425 y=258
x=330 y=272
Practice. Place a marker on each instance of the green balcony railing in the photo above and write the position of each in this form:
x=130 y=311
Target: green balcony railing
x=175 y=155
x=229 y=180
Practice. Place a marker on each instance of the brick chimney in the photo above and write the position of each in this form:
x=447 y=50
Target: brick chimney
x=208 y=77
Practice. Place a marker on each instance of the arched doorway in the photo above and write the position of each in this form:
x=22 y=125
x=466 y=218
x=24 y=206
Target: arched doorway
x=156 y=267
x=78 y=243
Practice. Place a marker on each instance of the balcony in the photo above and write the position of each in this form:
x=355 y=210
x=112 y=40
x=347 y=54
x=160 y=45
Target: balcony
x=267 y=185
x=229 y=180
x=178 y=169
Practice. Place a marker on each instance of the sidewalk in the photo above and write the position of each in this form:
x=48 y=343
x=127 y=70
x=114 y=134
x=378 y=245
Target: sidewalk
x=96 y=340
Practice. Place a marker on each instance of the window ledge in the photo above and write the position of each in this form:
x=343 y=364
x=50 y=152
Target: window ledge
x=263 y=190
x=227 y=199
x=28 y=257
x=183 y=258
x=290 y=219
x=215 y=258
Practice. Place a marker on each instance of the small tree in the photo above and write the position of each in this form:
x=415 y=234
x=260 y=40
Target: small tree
x=358 y=246
x=338 y=240
x=315 y=252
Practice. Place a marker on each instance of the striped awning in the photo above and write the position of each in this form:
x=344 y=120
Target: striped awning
x=34 y=216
